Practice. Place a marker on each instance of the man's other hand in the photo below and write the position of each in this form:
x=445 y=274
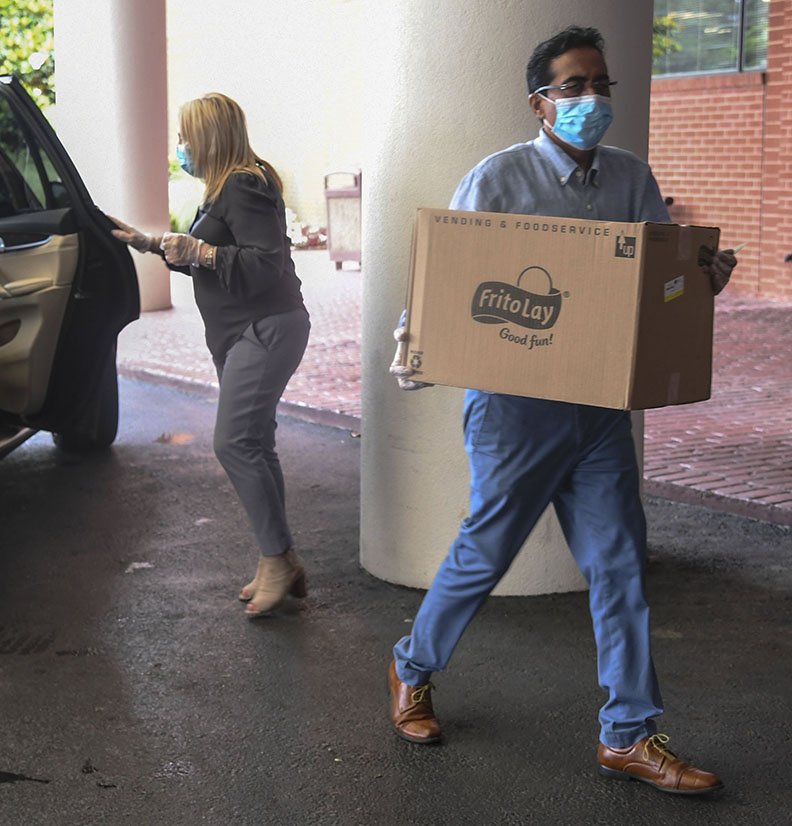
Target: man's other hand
x=718 y=267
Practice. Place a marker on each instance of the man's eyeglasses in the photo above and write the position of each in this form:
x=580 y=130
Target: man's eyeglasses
x=575 y=88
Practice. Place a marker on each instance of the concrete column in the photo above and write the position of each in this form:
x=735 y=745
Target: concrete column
x=444 y=87
x=111 y=115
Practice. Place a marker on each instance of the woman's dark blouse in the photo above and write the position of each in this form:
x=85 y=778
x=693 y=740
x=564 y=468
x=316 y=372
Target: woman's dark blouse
x=254 y=275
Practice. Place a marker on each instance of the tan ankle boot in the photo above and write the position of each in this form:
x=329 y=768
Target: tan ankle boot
x=277 y=576
x=297 y=589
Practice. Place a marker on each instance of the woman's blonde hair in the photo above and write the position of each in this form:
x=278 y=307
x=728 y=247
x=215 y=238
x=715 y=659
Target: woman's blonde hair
x=216 y=129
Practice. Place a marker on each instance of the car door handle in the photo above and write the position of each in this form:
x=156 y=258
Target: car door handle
x=27 y=241
x=24 y=286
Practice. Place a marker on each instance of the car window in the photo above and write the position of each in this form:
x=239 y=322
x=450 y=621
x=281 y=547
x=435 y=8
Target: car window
x=29 y=181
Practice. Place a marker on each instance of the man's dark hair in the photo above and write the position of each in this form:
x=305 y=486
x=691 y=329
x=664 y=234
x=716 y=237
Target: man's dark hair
x=538 y=72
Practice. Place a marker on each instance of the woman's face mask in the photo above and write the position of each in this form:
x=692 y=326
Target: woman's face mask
x=582 y=121
x=184 y=158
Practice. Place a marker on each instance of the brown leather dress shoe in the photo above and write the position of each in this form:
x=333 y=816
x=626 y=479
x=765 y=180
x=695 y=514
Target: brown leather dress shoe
x=411 y=710
x=650 y=762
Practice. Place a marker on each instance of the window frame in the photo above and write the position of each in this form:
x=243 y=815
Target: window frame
x=738 y=68
x=33 y=174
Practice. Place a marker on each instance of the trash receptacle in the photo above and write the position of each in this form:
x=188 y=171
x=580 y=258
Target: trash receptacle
x=342 y=193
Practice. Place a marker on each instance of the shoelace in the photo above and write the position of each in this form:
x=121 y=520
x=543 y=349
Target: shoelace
x=420 y=692
x=658 y=742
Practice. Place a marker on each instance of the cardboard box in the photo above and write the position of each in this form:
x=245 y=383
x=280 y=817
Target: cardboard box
x=594 y=312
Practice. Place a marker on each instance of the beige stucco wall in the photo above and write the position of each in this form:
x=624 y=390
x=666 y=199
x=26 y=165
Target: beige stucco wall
x=110 y=115
x=295 y=69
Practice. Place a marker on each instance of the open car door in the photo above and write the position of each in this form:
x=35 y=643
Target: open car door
x=67 y=287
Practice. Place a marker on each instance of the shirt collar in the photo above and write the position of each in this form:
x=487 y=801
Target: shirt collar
x=563 y=165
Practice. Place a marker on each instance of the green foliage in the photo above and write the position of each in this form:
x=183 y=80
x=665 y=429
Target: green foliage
x=184 y=195
x=27 y=33
x=755 y=46
x=663 y=40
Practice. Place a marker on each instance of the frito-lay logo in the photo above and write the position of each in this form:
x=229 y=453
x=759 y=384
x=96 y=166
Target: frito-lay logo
x=534 y=303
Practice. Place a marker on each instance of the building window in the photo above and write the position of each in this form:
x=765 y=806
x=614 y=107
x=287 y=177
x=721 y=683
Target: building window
x=707 y=36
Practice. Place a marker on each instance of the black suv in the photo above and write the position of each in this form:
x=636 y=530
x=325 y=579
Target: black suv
x=67 y=288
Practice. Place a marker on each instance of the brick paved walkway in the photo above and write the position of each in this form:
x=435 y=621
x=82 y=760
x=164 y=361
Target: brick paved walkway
x=733 y=452
x=736 y=447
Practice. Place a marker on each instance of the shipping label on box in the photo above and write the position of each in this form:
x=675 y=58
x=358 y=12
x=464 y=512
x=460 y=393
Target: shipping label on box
x=593 y=312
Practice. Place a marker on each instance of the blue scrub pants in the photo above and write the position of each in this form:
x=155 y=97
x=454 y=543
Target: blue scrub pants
x=525 y=454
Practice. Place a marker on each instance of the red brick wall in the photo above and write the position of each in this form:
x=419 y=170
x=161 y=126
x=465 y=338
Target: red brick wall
x=705 y=148
x=775 y=276
x=721 y=147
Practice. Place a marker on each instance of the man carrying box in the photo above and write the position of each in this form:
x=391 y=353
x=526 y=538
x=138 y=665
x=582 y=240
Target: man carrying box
x=526 y=453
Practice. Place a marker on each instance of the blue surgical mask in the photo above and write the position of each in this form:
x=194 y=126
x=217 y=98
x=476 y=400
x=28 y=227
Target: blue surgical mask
x=184 y=158
x=582 y=121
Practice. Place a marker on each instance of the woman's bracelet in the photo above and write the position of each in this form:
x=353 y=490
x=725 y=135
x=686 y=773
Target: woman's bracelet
x=208 y=257
x=205 y=257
